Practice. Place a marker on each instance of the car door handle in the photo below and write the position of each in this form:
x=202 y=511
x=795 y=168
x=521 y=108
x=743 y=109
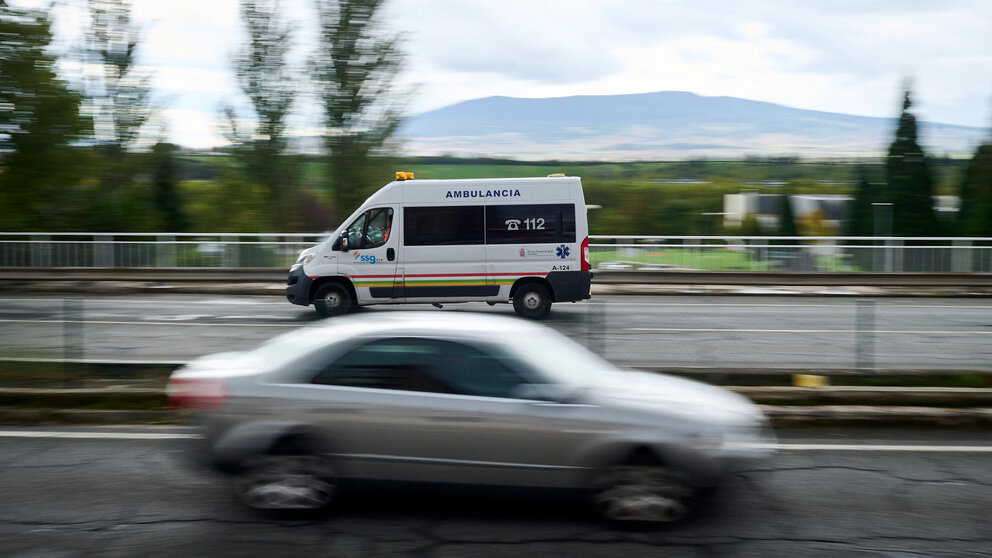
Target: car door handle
x=390 y=254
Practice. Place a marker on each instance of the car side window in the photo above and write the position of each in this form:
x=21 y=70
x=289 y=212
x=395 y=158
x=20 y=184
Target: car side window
x=414 y=364
x=470 y=371
x=396 y=364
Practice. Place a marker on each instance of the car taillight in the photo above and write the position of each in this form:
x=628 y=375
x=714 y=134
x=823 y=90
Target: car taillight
x=196 y=394
x=585 y=254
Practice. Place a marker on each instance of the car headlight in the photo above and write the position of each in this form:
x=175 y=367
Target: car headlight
x=305 y=259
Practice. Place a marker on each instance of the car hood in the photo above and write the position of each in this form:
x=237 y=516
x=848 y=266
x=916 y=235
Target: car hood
x=663 y=393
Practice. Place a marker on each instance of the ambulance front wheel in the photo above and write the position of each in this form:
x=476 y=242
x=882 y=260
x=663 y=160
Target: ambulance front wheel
x=532 y=301
x=332 y=300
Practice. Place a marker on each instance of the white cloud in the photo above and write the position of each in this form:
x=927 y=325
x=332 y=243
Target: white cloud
x=842 y=56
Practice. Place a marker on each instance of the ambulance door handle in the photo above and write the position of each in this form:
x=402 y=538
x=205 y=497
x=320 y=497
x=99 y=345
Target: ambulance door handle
x=390 y=254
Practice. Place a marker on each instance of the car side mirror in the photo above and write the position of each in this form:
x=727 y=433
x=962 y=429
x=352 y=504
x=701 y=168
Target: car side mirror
x=341 y=244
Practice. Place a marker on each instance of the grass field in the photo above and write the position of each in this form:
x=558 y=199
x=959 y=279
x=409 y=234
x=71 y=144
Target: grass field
x=711 y=259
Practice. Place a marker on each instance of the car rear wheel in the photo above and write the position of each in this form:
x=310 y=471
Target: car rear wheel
x=287 y=482
x=532 y=300
x=643 y=494
x=332 y=300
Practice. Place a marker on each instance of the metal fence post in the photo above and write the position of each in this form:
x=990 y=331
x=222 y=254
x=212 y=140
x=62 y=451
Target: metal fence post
x=41 y=251
x=961 y=256
x=72 y=334
x=596 y=328
x=103 y=251
x=864 y=342
x=165 y=251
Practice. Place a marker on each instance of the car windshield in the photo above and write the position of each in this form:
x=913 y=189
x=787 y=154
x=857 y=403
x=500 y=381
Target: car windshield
x=558 y=359
x=283 y=349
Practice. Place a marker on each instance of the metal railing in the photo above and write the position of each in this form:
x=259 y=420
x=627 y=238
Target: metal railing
x=830 y=254
x=823 y=254
x=153 y=250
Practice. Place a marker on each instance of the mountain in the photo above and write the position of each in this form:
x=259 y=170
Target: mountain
x=667 y=124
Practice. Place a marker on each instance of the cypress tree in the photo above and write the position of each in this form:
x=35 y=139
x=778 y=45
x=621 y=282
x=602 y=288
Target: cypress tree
x=910 y=182
x=975 y=213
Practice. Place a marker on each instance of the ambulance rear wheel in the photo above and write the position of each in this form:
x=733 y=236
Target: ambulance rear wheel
x=532 y=301
x=332 y=300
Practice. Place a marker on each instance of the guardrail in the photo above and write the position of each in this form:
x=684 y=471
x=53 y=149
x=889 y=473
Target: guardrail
x=823 y=254
x=244 y=276
x=826 y=254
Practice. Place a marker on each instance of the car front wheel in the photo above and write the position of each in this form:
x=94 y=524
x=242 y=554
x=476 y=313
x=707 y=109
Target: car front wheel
x=643 y=494
x=332 y=300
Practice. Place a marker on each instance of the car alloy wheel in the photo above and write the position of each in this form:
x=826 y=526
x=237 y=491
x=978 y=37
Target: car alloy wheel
x=532 y=301
x=286 y=482
x=643 y=494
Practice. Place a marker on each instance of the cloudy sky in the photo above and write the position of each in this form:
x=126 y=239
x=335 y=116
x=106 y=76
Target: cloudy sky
x=834 y=55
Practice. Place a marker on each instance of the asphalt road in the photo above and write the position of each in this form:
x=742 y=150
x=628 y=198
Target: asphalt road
x=869 y=494
x=677 y=331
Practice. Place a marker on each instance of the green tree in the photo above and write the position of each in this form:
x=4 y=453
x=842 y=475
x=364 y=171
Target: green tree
x=120 y=93
x=266 y=78
x=39 y=118
x=975 y=213
x=860 y=220
x=165 y=178
x=355 y=69
x=910 y=182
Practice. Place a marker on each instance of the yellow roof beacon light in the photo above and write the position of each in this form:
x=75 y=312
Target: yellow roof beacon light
x=404 y=175
x=557 y=175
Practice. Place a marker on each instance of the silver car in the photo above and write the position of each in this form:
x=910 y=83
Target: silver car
x=461 y=398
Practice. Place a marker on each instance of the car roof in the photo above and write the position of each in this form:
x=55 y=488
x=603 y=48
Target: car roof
x=401 y=322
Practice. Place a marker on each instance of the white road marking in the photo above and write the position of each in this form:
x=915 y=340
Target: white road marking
x=245 y=299
x=251 y=299
x=175 y=323
x=631 y=329
x=92 y=435
x=879 y=447
x=97 y=435
x=735 y=330
x=95 y=361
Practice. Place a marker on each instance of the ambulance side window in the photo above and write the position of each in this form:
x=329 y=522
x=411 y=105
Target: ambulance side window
x=537 y=223
x=444 y=225
x=380 y=223
x=356 y=231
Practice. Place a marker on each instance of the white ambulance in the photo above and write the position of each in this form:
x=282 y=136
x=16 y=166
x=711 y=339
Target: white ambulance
x=520 y=240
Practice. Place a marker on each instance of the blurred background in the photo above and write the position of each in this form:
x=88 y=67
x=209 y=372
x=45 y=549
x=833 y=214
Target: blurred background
x=282 y=116
x=820 y=171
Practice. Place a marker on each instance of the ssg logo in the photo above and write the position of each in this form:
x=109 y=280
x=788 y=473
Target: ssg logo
x=562 y=251
x=367 y=258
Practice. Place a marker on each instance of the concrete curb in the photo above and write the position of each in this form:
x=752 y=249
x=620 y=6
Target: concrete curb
x=781 y=417
x=84 y=416
x=856 y=415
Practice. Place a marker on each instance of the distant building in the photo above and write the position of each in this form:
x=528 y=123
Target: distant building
x=766 y=208
x=836 y=208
